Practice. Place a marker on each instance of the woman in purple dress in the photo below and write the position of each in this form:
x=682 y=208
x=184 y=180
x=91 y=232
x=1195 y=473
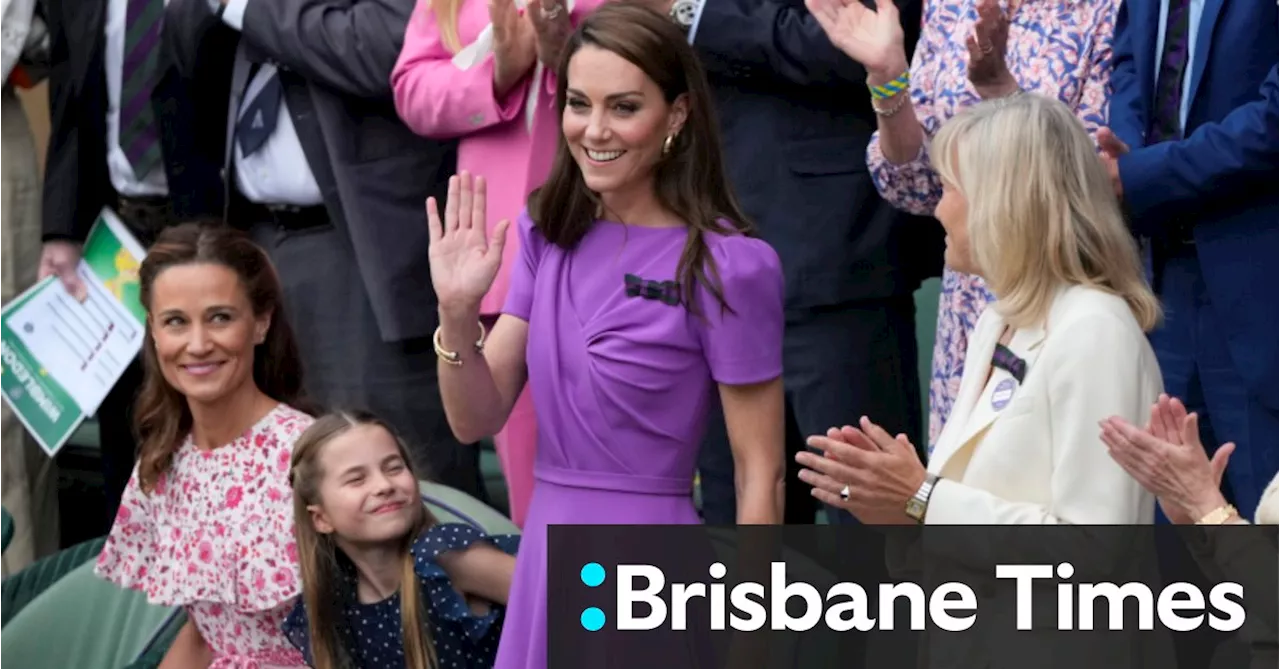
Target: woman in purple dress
x=639 y=299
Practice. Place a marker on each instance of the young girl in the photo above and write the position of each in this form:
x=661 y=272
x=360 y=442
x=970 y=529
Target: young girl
x=362 y=533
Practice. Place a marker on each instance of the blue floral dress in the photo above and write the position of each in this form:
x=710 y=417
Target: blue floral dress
x=371 y=632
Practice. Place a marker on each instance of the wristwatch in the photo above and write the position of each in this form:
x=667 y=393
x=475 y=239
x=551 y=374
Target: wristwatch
x=919 y=502
x=683 y=12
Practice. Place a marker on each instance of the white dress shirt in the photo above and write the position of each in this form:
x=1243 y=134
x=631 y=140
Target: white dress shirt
x=118 y=166
x=278 y=172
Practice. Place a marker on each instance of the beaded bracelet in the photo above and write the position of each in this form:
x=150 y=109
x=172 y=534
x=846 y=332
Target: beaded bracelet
x=891 y=88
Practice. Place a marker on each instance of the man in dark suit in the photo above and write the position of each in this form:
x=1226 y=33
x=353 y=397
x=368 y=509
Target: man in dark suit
x=128 y=132
x=1193 y=153
x=1192 y=150
x=330 y=181
x=797 y=118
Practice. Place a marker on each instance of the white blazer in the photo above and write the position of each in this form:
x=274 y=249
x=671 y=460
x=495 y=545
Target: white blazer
x=1031 y=452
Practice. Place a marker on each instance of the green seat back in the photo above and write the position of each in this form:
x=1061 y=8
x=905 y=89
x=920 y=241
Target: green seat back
x=85 y=622
x=6 y=529
x=454 y=506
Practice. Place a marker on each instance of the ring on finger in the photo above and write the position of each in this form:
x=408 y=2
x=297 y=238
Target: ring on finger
x=552 y=12
x=844 y=493
x=986 y=48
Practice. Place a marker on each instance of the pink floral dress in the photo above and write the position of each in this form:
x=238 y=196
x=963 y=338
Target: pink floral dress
x=1056 y=48
x=216 y=537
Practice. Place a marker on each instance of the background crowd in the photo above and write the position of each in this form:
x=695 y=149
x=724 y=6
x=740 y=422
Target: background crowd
x=1102 y=170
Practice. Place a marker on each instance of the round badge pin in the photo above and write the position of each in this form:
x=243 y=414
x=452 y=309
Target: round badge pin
x=1002 y=394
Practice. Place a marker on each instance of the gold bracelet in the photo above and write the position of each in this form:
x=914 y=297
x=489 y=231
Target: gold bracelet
x=1218 y=516
x=452 y=357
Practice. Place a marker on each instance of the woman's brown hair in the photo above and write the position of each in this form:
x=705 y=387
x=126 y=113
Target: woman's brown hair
x=689 y=180
x=162 y=417
x=318 y=554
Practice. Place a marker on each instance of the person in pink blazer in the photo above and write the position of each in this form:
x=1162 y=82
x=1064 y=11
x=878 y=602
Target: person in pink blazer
x=484 y=73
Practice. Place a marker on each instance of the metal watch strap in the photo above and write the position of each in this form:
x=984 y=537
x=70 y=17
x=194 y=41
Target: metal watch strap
x=919 y=502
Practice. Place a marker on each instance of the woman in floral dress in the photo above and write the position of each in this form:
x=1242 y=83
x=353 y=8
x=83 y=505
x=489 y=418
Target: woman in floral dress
x=206 y=519
x=969 y=50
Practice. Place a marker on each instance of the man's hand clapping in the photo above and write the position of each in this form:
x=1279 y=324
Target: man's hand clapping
x=1112 y=150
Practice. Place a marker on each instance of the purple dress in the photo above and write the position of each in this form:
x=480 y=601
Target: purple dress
x=628 y=384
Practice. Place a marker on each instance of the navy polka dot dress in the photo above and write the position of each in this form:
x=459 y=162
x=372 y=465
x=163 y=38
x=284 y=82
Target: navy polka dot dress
x=463 y=639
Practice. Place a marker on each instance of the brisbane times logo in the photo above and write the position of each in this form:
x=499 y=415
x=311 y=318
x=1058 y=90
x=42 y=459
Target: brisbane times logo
x=645 y=601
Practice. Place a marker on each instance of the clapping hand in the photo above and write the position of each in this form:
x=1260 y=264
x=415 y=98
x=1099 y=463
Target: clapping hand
x=514 y=45
x=464 y=261
x=1112 y=150
x=1169 y=460
x=880 y=471
x=872 y=37
x=988 y=44
x=552 y=26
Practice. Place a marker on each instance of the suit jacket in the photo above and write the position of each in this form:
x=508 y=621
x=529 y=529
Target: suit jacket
x=1222 y=176
x=77 y=183
x=1041 y=459
x=335 y=59
x=796 y=119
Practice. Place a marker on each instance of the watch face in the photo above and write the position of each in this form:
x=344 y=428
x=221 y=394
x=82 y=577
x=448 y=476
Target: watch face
x=915 y=509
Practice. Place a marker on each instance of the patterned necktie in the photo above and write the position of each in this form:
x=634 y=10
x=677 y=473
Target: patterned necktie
x=1166 y=117
x=139 y=132
x=259 y=116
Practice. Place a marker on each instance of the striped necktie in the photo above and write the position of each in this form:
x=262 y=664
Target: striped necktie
x=139 y=133
x=1166 y=116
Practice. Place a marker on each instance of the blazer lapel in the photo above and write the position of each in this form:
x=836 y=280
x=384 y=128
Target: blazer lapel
x=956 y=430
x=1204 y=38
x=972 y=414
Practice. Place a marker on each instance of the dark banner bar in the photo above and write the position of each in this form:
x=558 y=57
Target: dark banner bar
x=967 y=597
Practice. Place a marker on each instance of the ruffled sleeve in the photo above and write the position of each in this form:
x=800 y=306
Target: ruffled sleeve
x=525 y=272
x=447 y=603
x=128 y=557
x=743 y=344
x=218 y=527
x=297 y=630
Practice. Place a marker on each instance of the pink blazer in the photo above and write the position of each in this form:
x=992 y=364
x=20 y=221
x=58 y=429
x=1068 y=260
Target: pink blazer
x=511 y=141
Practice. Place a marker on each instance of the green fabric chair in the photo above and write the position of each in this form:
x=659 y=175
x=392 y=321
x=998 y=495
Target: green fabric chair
x=6 y=529
x=18 y=590
x=84 y=622
x=454 y=506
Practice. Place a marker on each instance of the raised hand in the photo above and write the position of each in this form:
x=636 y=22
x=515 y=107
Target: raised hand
x=871 y=37
x=551 y=24
x=514 y=45
x=464 y=260
x=988 y=44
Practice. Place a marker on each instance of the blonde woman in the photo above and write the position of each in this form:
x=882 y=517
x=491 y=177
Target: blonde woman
x=1028 y=207
x=484 y=72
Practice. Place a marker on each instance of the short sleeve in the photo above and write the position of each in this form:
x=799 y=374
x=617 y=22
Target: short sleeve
x=128 y=556
x=445 y=600
x=743 y=343
x=523 y=275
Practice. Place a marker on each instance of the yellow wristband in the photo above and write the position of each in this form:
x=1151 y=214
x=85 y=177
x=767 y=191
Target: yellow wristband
x=892 y=88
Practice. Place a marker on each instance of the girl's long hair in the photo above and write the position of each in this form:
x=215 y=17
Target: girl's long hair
x=446 y=13
x=320 y=558
x=689 y=181
x=162 y=418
